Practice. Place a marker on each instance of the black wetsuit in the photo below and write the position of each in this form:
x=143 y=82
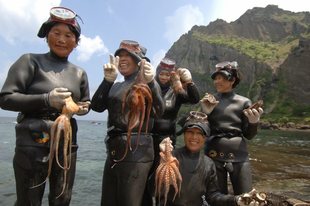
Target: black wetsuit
x=124 y=182
x=226 y=144
x=198 y=180
x=166 y=125
x=25 y=90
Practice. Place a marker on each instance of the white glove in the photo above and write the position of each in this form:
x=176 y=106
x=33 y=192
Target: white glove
x=148 y=71
x=111 y=69
x=253 y=115
x=162 y=145
x=207 y=103
x=83 y=107
x=56 y=97
x=185 y=75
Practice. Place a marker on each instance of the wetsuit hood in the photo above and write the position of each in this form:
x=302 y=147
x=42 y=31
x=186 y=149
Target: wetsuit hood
x=136 y=51
x=194 y=120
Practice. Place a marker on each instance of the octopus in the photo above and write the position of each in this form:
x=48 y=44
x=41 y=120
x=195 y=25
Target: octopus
x=61 y=126
x=176 y=83
x=167 y=173
x=257 y=105
x=210 y=98
x=135 y=97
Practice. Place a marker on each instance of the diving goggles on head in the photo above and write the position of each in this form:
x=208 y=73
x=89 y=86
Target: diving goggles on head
x=64 y=15
x=167 y=63
x=226 y=65
x=130 y=45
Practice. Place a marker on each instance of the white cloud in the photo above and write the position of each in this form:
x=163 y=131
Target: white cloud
x=5 y=65
x=109 y=9
x=182 y=20
x=87 y=47
x=21 y=19
x=157 y=57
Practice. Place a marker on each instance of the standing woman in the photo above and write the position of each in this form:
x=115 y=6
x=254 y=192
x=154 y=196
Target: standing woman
x=124 y=181
x=231 y=121
x=166 y=125
x=37 y=86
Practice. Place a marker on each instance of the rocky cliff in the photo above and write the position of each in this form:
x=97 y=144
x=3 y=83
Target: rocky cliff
x=272 y=48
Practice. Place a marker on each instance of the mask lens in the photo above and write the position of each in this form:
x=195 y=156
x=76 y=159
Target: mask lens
x=223 y=65
x=130 y=45
x=194 y=115
x=167 y=63
x=62 y=14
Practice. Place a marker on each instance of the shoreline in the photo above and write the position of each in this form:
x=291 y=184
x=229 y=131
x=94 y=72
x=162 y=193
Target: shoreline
x=288 y=129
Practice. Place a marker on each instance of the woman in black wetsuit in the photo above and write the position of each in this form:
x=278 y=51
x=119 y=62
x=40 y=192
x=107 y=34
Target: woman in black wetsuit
x=124 y=182
x=199 y=180
x=36 y=86
x=231 y=121
x=165 y=126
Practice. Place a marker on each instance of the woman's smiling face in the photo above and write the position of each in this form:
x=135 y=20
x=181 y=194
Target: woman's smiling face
x=194 y=139
x=222 y=84
x=127 y=64
x=61 y=40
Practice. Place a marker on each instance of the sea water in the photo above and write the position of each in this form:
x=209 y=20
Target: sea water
x=280 y=162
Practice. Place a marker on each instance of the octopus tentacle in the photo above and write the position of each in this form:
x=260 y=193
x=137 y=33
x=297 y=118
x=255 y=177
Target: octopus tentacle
x=61 y=126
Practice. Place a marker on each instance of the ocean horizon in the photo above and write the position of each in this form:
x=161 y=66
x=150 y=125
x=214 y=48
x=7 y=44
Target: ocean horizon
x=280 y=162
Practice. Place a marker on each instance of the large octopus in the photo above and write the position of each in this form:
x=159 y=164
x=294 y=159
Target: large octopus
x=135 y=97
x=176 y=83
x=61 y=126
x=167 y=173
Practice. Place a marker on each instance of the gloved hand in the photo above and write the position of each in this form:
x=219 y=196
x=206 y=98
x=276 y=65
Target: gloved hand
x=148 y=71
x=207 y=103
x=253 y=115
x=185 y=75
x=111 y=69
x=162 y=144
x=56 y=97
x=83 y=107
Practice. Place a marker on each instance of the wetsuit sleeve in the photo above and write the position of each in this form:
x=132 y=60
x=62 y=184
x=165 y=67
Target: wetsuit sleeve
x=191 y=96
x=14 y=95
x=213 y=195
x=158 y=103
x=84 y=88
x=99 y=100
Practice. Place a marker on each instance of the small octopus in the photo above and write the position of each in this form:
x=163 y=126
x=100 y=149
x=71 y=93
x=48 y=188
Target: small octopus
x=167 y=173
x=176 y=83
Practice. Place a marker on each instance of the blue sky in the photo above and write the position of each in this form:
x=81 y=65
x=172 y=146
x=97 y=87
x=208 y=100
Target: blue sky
x=154 y=24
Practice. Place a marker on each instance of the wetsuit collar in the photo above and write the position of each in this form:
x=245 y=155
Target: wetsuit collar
x=190 y=153
x=55 y=57
x=132 y=76
x=227 y=94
